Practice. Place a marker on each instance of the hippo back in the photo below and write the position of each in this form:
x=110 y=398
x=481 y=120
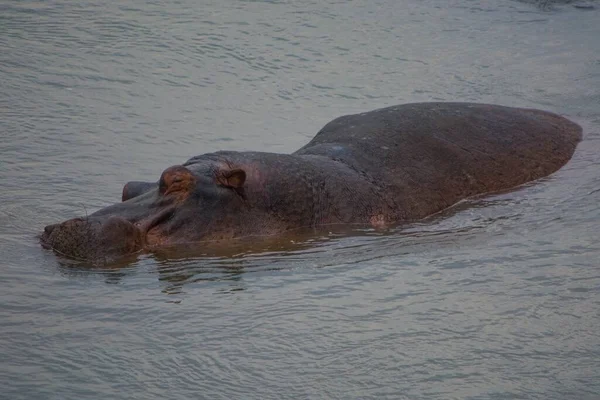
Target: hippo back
x=428 y=156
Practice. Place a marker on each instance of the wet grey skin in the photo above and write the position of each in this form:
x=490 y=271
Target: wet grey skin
x=378 y=168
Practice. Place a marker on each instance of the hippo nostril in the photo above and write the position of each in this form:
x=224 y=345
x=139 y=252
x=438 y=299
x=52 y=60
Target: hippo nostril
x=48 y=229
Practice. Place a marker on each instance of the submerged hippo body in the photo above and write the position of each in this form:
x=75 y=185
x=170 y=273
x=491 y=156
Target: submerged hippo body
x=378 y=168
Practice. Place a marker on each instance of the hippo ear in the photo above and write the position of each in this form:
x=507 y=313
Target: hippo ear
x=233 y=178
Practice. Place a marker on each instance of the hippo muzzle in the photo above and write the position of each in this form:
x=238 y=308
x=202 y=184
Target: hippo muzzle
x=90 y=238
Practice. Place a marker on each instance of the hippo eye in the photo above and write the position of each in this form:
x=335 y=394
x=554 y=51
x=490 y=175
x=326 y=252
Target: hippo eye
x=176 y=179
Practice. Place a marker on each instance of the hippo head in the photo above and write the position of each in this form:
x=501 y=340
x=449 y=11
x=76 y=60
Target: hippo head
x=203 y=201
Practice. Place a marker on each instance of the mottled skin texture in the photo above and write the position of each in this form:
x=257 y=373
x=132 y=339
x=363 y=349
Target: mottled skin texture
x=378 y=168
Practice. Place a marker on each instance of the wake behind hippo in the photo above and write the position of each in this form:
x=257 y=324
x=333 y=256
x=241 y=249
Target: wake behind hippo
x=379 y=168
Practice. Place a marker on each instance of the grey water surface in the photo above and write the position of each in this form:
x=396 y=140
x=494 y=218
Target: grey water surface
x=497 y=298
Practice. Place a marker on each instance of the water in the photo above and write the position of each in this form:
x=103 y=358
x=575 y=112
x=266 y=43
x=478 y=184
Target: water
x=497 y=298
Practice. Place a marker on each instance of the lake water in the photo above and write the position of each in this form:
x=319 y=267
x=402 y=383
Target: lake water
x=498 y=298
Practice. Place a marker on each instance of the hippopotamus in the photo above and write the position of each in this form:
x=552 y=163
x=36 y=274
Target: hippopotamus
x=380 y=168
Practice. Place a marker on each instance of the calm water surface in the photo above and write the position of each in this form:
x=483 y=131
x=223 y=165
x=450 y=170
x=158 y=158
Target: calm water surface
x=498 y=298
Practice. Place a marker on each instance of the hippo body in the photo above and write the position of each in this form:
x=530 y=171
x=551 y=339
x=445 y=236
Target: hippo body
x=379 y=168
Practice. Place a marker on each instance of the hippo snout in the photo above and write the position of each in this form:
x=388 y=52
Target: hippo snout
x=93 y=239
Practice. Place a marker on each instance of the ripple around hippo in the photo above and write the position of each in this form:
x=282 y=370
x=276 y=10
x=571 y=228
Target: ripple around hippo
x=379 y=168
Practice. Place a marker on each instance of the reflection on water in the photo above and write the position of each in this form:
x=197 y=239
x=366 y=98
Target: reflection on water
x=497 y=297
